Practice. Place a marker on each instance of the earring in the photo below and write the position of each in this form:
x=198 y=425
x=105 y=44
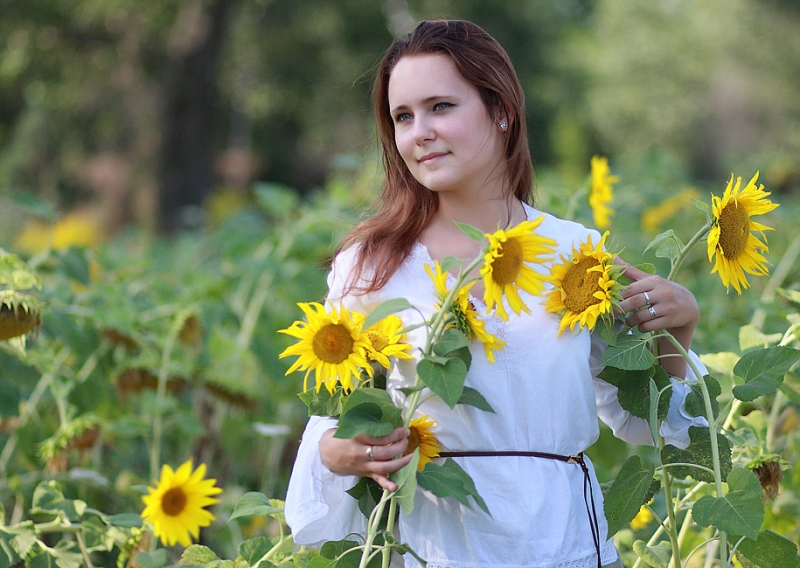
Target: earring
x=503 y=126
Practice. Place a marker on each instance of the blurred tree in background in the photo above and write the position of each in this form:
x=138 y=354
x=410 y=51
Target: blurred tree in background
x=143 y=108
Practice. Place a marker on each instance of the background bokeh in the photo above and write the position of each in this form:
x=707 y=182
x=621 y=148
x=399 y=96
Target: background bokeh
x=178 y=165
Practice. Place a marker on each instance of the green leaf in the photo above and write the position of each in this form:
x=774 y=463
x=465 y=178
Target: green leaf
x=368 y=411
x=763 y=371
x=75 y=264
x=472 y=397
x=631 y=353
x=751 y=337
x=367 y=492
x=254 y=504
x=385 y=309
x=698 y=452
x=48 y=498
x=739 y=511
x=769 y=549
x=445 y=379
x=451 y=340
x=606 y=331
x=156 y=559
x=64 y=555
x=197 y=554
x=254 y=549
x=704 y=207
x=695 y=405
x=9 y=553
x=450 y=262
x=449 y=480
x=470 y=231
x=657 y=556
x=627 y=494
x=321 y=562
x=321 y=402
x=125 y=520
x=406 y=480
x=634 y=389
x=333 y=549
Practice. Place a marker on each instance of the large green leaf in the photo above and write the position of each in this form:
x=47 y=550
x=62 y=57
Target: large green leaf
x=48 y=498
x=406 y=480
x=368 y=411
x=474 y=398
x=449 y=480
x=254 y=504
x=444 y=376
x=334 y=549
x=10 y=552
x=631 y=353
x=367 y=492
x=698 y=452
x=321 y=402
x=451 y=340
x=763 y=371
x=769 y=550
x=695 y=405
x=627 y=494
x=634 y=389
x=657 y=556
x=739 y=511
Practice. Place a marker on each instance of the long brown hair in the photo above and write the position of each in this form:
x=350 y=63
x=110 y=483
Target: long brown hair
x=405 y=207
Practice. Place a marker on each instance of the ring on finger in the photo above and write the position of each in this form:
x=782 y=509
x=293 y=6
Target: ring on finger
x=653 y=314
x=370 y=455
x=646 y=300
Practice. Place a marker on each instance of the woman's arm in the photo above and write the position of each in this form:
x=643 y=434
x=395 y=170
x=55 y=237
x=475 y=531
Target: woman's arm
x=671 y=307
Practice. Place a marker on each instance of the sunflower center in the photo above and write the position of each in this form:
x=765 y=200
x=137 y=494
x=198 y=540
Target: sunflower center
x=580 y=285
x=333 y=343
x=379 y=341
x=173 y=502
x=734 y=228
x=413 y=440
x=505 y=268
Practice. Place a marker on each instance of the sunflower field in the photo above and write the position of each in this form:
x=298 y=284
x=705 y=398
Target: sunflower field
x=147 y=418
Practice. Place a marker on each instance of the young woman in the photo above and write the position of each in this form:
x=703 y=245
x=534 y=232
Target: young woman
x=450 y=113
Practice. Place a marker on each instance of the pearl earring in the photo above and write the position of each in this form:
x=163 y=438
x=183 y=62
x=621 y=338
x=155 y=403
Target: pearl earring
x=503 y=126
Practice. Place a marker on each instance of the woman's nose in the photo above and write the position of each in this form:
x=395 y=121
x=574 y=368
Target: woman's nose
x=423 y=129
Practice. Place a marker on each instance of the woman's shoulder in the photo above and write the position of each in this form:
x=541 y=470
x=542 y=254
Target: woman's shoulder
x=561 y=230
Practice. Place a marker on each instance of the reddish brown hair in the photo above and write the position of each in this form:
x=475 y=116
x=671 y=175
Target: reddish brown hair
x=405 y=207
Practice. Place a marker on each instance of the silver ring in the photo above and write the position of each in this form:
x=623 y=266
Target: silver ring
x=370 y=455
x=646 y=300
x=653 y=314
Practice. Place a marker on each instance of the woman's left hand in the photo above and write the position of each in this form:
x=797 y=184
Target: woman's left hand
x=653 y=303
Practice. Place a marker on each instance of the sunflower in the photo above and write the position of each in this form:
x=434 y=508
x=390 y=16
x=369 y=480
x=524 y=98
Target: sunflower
x=465 y=317
x=504 y=270
x=586 y=286
x=331 y=344
x=654 y=217
x=422 y=437
x=643 y=518
x=386 y=340
x=176 y=507
x=732 y=239
x=601 y=192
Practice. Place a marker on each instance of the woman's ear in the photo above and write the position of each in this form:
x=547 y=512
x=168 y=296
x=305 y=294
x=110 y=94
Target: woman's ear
x=502 y=120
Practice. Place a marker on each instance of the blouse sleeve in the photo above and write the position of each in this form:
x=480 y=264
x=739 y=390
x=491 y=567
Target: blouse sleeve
x=674 y=429
x=318 y=509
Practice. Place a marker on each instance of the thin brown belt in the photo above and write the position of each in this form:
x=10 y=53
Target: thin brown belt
x=588 y=493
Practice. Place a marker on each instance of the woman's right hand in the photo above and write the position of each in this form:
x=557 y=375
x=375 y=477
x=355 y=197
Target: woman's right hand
x=366 y=456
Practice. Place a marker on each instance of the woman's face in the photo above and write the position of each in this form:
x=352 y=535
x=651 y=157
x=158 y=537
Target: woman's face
x=443 y=131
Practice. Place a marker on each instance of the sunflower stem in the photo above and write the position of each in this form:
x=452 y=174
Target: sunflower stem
x=372 y=527
x=712 y=424
x=672 y=531
x=387 y=550
x=688 y=247
x=161 y=394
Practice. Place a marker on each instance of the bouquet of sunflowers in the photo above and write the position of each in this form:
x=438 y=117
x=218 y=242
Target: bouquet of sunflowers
x=349 y=353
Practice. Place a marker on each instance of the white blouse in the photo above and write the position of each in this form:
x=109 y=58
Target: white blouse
x=547 y=398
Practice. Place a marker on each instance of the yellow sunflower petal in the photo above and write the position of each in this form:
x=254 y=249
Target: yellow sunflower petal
x=505 y=268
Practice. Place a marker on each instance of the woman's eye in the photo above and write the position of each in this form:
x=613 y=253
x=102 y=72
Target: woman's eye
x=441 y=106
x=402 y=117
